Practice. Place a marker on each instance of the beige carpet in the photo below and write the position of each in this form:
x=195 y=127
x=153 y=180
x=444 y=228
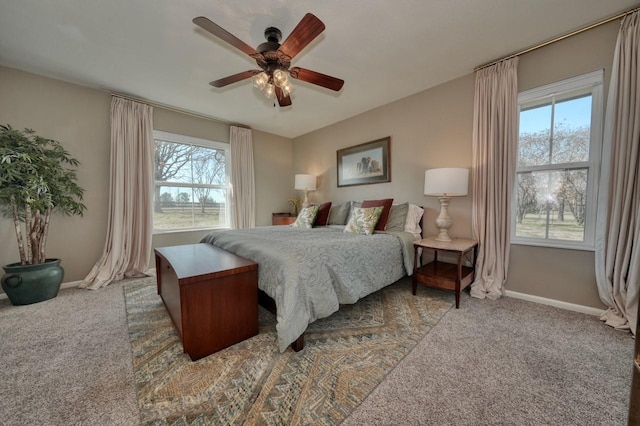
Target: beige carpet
x=345 y=357
x=67 y=361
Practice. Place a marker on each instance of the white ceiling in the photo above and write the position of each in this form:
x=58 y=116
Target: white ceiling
x=384 y=50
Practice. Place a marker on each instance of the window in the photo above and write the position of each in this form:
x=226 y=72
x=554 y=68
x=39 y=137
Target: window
x=559 y=144
x=192 y=183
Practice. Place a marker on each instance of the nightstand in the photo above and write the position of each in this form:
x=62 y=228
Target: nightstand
x=282 y=219
x=442 y=275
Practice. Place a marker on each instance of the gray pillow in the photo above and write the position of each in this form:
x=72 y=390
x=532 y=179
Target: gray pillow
x=339 y=214
x=352 y=204
x=397 y=217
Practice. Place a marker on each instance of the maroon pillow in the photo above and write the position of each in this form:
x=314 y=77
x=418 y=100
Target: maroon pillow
x=323 y=214
x=386 y=203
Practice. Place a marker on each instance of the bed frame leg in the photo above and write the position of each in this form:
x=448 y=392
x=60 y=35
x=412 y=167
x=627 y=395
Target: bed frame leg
x=269 y=304
x=298 y=345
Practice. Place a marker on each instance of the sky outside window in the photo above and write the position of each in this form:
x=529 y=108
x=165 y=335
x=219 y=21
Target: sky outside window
x=572 y=113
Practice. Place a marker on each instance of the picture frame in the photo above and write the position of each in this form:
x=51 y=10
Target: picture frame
x=365 y=164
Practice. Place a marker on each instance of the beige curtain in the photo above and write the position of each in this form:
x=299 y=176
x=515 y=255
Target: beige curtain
x=243 y=178
x=495 y=136
x=618 y=223
x=128 y=245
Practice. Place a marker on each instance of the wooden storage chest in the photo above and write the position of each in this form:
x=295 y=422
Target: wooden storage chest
x=211 y=296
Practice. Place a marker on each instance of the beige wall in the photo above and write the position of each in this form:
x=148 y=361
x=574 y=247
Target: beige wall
x=433 y=129
x=273 y=159
x=427 y=130
x=79 y=118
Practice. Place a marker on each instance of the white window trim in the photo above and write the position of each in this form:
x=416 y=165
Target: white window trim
x=594 y=79
x=177 y=138
x=207 y=143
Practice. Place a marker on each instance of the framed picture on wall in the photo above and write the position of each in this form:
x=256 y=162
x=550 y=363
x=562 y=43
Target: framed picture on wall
x=365 y=164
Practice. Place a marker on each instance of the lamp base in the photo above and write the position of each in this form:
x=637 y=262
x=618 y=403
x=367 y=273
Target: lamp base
x=444 y=221
x=305 y=203
x=443 y=236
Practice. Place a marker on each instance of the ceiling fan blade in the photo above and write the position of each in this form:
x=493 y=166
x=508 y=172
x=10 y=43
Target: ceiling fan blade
x=303 y=34
x=282 y=99
x=233 y=78
x=316 y=78
x=215 y=29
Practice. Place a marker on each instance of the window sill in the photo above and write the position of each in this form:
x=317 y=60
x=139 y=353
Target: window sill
x=174 y=231
x=565 y=245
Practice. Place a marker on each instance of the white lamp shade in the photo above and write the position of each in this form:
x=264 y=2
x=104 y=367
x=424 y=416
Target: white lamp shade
x=447 y=182
x=305 y=182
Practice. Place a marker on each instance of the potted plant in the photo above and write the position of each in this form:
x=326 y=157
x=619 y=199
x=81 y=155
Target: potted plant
x=35 y=182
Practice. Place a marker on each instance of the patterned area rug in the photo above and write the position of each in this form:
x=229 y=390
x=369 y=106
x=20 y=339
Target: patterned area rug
x=345 y=357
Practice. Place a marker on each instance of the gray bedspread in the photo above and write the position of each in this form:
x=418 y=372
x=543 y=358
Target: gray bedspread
x=310 y=272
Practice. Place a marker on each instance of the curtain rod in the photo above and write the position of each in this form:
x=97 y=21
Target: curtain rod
x=178 y=110
x=562 y=37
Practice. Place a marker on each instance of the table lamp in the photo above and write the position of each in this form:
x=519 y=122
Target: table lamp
x=305 y=183
x=445 y=183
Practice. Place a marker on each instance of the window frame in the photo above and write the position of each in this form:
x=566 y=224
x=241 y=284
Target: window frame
x=594 y=80
x=205 y=143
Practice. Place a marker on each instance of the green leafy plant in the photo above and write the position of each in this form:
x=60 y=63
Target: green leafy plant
x=294 y=204
x=35 y=181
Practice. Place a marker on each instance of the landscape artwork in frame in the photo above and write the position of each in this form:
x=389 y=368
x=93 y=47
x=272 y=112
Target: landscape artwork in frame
x=365 y=164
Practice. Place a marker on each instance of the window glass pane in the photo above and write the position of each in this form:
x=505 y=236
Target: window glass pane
x=182 y=208
x=572 y=129
x=533 y=144
x=208 y=166
x=551 y=205
x=173 y=208
x=209 y=208
x=530 y=214
x=173 y=162
x=570 y=198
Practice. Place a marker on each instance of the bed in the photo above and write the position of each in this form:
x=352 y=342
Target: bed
x=309 y=273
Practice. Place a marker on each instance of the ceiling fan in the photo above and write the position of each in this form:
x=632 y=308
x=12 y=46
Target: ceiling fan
x=274 y=59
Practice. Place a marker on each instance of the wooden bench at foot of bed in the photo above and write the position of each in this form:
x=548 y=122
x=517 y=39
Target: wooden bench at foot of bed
x=211 y=296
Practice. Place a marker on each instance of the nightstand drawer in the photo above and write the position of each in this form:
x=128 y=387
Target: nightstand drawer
x=443 y=275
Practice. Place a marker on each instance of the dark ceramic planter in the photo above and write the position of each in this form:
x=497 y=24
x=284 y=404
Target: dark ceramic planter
x=27 y=284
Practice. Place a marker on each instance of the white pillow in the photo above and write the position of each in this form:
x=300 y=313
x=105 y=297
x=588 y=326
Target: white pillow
x=414 y=218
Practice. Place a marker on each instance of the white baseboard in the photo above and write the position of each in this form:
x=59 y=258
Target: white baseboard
x=70 y=284
x=556 y=303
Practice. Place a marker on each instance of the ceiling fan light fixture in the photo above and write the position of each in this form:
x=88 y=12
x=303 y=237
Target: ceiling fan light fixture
x=269 y=91
x=287 y=88
x=280 y=78
x=260 y=80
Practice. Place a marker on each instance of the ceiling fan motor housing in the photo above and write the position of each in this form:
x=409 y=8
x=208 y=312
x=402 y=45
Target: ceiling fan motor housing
x=273 y=36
